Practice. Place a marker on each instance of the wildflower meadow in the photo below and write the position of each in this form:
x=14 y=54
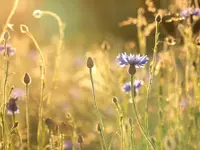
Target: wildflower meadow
x=100 y=75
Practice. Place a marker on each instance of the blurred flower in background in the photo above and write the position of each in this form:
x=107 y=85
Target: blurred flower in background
x=10 y=49
x=127 y=86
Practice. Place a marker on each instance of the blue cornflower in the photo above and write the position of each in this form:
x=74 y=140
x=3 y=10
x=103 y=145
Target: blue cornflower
x=127 y=86
x=11 y=50
x=12 y=107
x=132 y=59
x=190 y=12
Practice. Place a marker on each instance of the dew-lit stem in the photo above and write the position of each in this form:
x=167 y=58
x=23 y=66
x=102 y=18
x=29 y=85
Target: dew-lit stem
x=13 y=118
x=59 y=48
x=151 y=72
x=97 y=112
x=27 y=117
x=81 y=146
x=74 y=136
x=160 y=110
x=121 y=123
x=131 y=135
x=9 y=17
x=6 y=57
x=42 y=84
x=136 y=115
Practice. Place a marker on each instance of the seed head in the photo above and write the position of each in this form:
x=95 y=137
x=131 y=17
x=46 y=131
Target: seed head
x=90 y=63
x=24 y=28
x=27 y=79
x=37 y=13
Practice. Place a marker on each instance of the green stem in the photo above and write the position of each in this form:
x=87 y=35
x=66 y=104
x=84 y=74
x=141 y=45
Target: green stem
x=42 y=87
x=136 y=116
x=60 y=44
x=97 y=112
x=151 y=72
x=131 y=135
x=4 y=94
x=27 y=117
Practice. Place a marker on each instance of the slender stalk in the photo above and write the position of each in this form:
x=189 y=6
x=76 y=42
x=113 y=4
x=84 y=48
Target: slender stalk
x=136 y=116
x=13 y=118
x=9 y=17
x=151 y=72
x=59 y=48
x=121 y=121
x=27 y=117
x=160 y=111
x=97 y=112
x=42 y=86
x=81 y=146
x=131 y=133
x=6 y=57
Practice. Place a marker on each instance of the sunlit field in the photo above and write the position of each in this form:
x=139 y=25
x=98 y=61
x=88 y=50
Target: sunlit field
x=107 y=75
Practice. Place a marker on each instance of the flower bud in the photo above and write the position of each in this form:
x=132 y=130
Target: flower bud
x=130 y=120
x=115 y=100
x=6 y=36
x=158 y=19
x=90 y=63
x=80 y=139
x=99 y=127
x=27 y=79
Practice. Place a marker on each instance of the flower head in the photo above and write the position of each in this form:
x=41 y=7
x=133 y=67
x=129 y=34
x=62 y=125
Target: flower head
x=127 y=86
x=190 y=12
x=18 y=93
x=10 y=49
x=12 y=107
x=132 y=59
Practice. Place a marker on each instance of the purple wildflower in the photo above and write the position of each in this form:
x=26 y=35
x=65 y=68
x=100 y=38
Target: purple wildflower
x=12 y=107
x=68 y=145
x=11 y=50
x=132 y=59
x=184 y=103
x=17 y=92
x=127 y=86
x=190 y=12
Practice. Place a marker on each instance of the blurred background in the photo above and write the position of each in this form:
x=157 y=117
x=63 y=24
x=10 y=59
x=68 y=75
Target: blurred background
x=97 y=28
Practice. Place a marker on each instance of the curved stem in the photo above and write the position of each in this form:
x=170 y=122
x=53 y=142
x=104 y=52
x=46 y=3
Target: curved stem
x=57 y=57
x=9 y=17
x=136 y=116
x=97 y=111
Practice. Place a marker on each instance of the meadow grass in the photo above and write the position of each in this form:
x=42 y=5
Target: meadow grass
x=106 y=98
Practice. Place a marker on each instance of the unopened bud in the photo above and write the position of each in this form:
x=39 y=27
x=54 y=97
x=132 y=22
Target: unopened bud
x=115 y=100
x=90 y=63
x=158 y=19
x=80 y=138
x=6 y=36
x=27 y=79
x=50 y=123
x=130 y=120
x=99 y=127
